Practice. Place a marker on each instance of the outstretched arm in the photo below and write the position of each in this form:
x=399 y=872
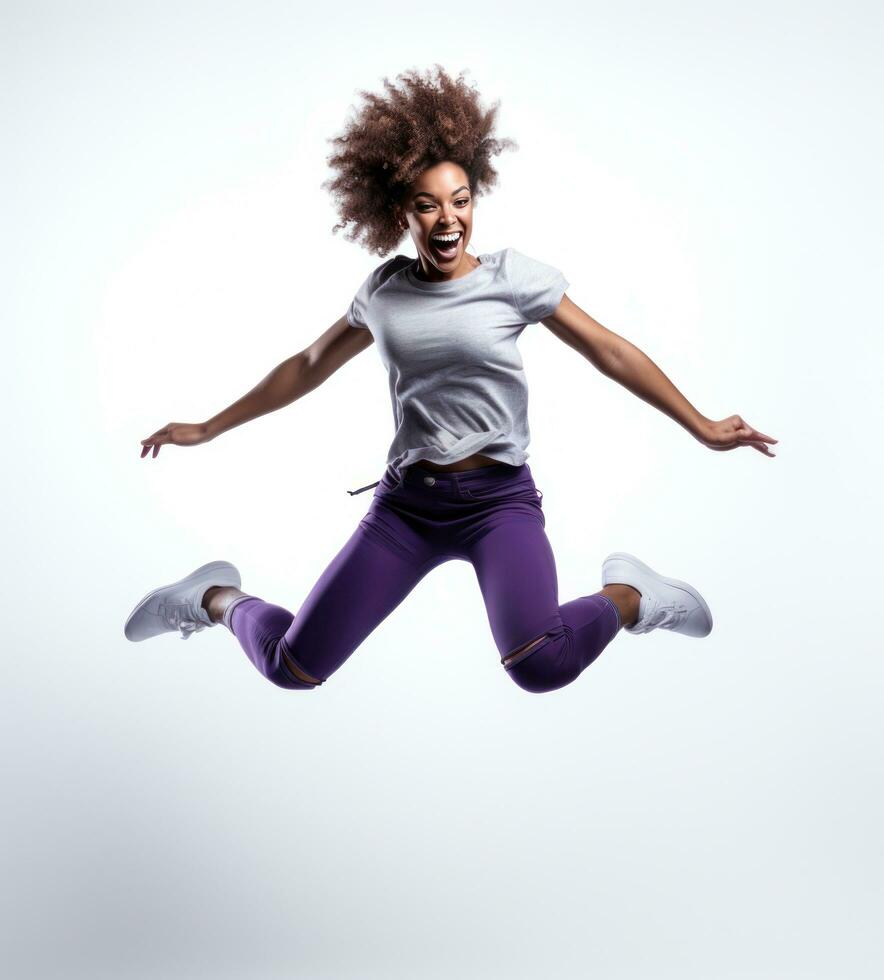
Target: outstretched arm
x=286 y=383
x=617 y=358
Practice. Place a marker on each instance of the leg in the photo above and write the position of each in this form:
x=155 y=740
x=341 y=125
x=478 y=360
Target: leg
x=544 y=646
x=625 y=598
x=356 y=592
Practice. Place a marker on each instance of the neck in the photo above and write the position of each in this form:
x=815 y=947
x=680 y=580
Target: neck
x=429 y=273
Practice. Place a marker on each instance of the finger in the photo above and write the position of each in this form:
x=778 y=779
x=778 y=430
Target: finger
x=755 y=434
x=144 y=451
x=760 y=446
x=156 y=450
x=759 y=437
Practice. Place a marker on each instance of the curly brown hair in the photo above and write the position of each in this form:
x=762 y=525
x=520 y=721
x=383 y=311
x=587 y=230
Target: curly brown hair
x=391 y=140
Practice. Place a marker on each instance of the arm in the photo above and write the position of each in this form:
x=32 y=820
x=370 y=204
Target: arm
x=295 y=377
x=286 y=383
x=622 y=361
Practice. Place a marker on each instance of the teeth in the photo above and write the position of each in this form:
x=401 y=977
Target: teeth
x=447 y=238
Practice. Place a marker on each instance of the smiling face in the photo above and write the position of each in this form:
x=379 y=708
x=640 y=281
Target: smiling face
x=440 y=203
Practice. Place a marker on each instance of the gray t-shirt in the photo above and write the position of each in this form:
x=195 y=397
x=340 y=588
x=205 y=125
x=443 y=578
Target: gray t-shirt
x=455 y=373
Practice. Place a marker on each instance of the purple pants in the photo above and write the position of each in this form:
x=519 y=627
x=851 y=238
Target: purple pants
x=491 y=517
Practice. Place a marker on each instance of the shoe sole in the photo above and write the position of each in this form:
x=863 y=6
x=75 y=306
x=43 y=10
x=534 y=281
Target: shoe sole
x=676 y=583
x=213 y=568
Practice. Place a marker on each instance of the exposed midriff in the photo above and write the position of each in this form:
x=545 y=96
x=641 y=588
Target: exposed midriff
x=470 y=463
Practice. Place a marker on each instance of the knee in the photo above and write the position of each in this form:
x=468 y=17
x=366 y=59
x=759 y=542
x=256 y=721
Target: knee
x=287 y=673
x=536 y=682
x=281 y=678
x=543 y=670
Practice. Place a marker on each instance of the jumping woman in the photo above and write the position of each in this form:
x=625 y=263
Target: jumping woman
x=456 y=484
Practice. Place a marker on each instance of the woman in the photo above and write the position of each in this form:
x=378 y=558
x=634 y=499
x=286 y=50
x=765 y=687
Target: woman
x=456 y=484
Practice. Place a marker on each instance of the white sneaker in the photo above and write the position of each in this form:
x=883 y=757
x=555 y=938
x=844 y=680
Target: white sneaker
x=179 y=606
x=665 y=602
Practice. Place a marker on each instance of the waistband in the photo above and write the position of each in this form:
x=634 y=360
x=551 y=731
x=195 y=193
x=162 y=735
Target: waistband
x=413 y=473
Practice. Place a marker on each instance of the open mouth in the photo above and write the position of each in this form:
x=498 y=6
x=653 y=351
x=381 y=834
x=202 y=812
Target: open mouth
x=445 y=249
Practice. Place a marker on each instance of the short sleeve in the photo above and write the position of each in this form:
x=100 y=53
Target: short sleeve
x=357 y=313
x=359 y=303
x=537 y=288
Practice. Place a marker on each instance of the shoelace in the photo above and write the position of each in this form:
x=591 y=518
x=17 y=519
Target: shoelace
x=180 y=617
x=663 y=615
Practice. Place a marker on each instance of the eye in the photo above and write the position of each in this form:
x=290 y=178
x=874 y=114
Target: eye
x=429 y=207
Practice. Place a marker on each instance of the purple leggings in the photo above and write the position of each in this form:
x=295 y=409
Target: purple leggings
x=491 y=517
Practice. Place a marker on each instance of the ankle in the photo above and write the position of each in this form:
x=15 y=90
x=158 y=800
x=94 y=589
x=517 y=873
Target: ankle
x=217 y=598
x=626 y=599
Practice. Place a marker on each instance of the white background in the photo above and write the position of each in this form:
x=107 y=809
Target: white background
x=707 y=176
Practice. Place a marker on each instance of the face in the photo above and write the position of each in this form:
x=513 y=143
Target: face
x=439 y=202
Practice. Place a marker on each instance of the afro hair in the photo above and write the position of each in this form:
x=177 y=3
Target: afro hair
x=391 y=140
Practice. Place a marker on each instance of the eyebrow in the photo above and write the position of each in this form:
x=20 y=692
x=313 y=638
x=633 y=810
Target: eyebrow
x=428 y=194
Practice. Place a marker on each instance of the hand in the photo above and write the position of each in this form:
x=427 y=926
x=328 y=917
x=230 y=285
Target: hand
x=176 y=433
x=732 y=432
